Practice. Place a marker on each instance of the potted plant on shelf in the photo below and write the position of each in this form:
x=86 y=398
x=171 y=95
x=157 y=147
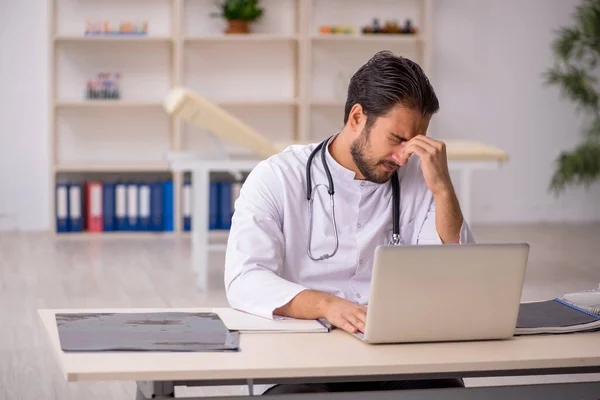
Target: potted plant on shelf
x=239 y=14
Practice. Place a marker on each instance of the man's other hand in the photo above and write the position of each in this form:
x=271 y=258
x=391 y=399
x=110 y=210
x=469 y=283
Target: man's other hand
x=346 y=315
x=311 y=304
x=434 y=162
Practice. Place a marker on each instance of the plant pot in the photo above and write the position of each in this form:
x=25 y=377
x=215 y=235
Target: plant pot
x=237 y=26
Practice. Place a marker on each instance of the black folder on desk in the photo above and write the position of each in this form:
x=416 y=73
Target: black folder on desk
x=164 y=331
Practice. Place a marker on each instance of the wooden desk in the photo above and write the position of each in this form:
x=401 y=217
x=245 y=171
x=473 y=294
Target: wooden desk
x=314 y=357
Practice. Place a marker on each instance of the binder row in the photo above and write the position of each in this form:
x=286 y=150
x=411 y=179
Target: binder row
x=108 y=207
x=222 y=197
x=95 y=206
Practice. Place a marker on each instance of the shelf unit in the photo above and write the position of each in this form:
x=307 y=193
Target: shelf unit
x=284 y=79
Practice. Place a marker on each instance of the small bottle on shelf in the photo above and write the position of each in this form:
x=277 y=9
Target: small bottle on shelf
x=97 y=87
x=144 y=28
x=408 y=28
x=117 y=85
x=376 y=26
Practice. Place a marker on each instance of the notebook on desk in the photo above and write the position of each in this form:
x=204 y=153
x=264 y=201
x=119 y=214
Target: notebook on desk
x=243 y=322
x=560 y=315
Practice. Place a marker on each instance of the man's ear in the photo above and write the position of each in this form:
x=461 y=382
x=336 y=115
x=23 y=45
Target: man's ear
x=357 y=118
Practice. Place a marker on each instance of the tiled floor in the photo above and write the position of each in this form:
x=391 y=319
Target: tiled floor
x=39 y=271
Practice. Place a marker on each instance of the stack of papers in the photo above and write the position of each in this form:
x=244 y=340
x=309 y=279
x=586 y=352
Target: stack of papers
x=243 y=322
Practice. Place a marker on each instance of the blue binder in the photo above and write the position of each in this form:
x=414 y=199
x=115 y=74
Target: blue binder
x=187 y=206
x=225 y=211
x=75 y=207
x=168 y=206
x=121 y=206
x=156 y=207
x=213 y=206
x=144 y=209
x=62 y=208
x=133 y=207
x=108 y=207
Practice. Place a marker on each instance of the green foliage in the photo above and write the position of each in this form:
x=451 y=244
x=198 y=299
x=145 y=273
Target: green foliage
x=577 y=54
x=245 y=10
x=580 y=166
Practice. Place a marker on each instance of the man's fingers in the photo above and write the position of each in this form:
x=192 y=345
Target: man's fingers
x=348 y=327
x=361 y=315
x=430 y=147
x=421 y=149
x=418 y=150
x=356 y=322
x=426 y=139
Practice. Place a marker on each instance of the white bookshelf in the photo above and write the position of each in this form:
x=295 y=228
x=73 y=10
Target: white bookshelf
x=87 y=167
x=108 y=104
x=112 y=39
x=358 y=38
x=252 y=37
x=285 y=79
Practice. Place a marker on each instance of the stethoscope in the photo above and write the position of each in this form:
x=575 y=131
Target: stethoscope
x=395 y=240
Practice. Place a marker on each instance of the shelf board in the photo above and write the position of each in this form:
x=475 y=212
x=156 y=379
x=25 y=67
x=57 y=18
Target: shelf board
x=114 y=235
x=250 y=37
x=150 y=104
x=328 y=103
x=124 y=39
x=255 y=102
x=396 y=38
x=100 y=103
x=150 y=167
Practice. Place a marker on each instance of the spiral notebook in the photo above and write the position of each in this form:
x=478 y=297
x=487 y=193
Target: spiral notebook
x=555 y=316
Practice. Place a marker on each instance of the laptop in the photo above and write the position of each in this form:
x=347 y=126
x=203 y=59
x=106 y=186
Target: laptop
x=434 y=293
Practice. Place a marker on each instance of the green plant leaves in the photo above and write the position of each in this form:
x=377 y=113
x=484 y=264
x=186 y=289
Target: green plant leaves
x=576 y=84
x=577 y=54
x=580 y=166
x=568 y=39
x=245 y=10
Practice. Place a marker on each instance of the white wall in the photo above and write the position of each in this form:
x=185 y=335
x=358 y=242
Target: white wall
x=488 y=56
x=24 y=154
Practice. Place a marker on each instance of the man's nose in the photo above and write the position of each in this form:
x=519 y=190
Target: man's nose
x=397 y=155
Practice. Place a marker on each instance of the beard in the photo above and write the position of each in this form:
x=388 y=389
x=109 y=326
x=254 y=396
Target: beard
x=369 y=167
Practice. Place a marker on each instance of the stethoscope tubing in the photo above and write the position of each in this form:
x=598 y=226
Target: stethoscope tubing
x=331 y=190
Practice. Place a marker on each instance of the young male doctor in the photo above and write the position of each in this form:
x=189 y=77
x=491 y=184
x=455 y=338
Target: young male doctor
x=285 y=258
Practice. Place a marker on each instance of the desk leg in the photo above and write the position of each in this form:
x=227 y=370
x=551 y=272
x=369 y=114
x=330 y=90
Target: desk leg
x=200 y=224
x=147 y=390
x=465 y=193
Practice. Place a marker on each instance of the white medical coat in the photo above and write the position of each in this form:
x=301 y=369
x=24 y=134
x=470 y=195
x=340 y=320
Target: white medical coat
x=267 y=263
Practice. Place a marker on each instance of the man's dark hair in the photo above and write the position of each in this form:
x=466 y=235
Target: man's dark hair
x=387 y=80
